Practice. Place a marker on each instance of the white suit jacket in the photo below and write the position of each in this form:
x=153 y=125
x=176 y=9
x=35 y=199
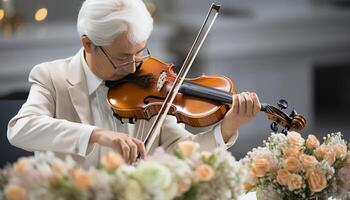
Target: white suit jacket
x=58 y=110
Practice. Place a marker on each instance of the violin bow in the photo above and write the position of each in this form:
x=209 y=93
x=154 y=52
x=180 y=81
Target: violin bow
x=197 y=44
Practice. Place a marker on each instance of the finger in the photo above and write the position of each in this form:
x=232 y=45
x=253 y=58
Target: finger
x=116 y=145
x=126 y=150
x=250 y=104
x=141 y=147
x=133 y=151
x=242 y=105
x=257 y=105
x=235 y=104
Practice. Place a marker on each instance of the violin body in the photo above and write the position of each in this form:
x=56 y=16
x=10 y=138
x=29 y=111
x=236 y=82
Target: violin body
x=141 y=95
x=200 y=102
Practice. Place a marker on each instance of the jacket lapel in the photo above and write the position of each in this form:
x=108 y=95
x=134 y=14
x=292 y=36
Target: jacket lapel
x=78 y=90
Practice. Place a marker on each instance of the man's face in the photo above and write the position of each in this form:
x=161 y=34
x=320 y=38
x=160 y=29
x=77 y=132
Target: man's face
x=111 y=64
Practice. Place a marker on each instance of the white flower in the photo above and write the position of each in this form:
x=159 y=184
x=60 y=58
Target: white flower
x=267 y=193
x=122 y=175
x=153 y=176
x=101 y=185
x=179 y=167
x=170 y=192
x=44 y=169
x=328 y=169
x=133 y=190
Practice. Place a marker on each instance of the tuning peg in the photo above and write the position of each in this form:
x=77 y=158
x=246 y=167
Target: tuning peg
x=274 y=126
x=283 y=104
x=294 y=113
x=285 y=131
x=118 y=117
x=132 y=121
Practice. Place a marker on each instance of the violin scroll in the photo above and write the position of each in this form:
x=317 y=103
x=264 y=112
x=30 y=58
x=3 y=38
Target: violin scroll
x=292 y=122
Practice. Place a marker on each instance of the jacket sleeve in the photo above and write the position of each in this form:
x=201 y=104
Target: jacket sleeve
x=173 y=132
x=34 y=128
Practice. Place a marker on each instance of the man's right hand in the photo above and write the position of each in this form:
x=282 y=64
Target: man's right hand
x=120 y=142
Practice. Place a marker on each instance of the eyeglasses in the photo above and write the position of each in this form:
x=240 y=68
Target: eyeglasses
x=136 y=59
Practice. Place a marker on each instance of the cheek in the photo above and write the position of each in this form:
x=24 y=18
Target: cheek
x=106 y=72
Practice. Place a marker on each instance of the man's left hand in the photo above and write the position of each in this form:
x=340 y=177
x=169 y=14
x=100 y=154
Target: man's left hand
x=244 y=108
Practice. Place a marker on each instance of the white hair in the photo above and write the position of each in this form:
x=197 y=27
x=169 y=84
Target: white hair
x=104 y=20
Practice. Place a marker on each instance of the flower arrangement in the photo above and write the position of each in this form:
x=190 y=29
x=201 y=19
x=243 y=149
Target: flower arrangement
x=185 y=174
x=291 y=167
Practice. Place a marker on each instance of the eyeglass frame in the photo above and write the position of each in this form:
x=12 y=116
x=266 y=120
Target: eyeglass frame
x=109 y=58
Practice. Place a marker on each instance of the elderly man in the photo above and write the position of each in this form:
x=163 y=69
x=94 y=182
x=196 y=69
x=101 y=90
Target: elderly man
x=66 y=111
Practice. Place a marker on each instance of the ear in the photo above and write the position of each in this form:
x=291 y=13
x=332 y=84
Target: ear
x=87 y=44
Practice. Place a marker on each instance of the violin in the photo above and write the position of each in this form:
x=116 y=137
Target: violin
x=155 y=89
x=200 y=102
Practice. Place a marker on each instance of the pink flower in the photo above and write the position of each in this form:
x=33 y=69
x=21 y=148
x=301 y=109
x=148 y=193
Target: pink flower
x=112 y=161
x=295 y=139
x=316 y=179
x=283 y=176
x=324 y=152
x=340 y=150
x=312 y=142
x=15 y=192
x=204 y=172
x=307 y=161
x=291 y=164
x=261 y=165
x=82 y=179
x=187 y=148
x=23 y=165
x=294 y=182
x=291 y=152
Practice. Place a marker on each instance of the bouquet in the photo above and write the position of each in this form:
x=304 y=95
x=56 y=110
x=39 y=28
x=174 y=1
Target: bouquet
x=291 y=167
x=184 y=174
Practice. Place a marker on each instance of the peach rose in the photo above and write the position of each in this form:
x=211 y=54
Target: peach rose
x=204 y=172
x=330 y=158
x=260 y=166
x=294 y=182
x=291 y=164
x=324 y=152
x=316 y=179
x=283 y=176
x=291 y=152
x=59 y=167
x=248 y=187
x=307 y=161
x=184 y=185
x=82 y=179
x=312 y=142
x=112 y=161
x=22 y=165
x=295 y=139
x=187 y=148
x=340 y=150
x=15 y=192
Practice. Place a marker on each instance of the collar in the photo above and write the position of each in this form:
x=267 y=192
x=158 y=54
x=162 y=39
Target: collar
x=93 y=82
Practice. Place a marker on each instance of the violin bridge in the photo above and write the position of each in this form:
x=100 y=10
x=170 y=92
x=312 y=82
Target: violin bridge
x=161 y=81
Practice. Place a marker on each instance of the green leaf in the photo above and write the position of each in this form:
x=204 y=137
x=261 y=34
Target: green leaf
x=3 y=180
x=211 y=160
x=190 y=194
x=178 y=154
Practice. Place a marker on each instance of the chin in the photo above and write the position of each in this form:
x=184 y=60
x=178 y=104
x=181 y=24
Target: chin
x=117 y=77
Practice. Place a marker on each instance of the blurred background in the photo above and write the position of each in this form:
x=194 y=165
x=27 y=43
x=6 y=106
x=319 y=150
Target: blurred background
x=296 y=50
